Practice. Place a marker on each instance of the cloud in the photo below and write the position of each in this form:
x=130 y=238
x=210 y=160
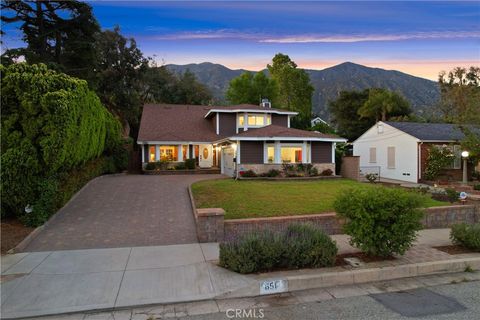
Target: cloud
x=372 y=37
x=315 y=38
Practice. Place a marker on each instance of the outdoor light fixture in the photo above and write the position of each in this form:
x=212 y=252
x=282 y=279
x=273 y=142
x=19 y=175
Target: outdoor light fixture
x=465 y=155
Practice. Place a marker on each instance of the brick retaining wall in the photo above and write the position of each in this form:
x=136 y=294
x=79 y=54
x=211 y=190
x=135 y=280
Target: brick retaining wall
x=211 y=226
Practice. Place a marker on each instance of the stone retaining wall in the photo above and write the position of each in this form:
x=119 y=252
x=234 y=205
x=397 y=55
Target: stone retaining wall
x=265 y=167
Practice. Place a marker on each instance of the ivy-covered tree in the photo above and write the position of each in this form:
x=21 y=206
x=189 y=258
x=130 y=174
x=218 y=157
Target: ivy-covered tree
x=439 y=158
x=51 y=123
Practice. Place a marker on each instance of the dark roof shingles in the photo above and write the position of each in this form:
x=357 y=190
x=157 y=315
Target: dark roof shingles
x=430 y=131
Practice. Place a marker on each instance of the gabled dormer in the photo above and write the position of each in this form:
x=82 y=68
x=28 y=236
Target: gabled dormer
x=231 y=120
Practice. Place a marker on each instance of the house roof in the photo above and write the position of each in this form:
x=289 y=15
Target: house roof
x=170 y=122
x=246 y=108
x=430 y=131
x=274 y=131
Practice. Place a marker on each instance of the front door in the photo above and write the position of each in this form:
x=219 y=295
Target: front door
x=228 y=166
x=205 y=156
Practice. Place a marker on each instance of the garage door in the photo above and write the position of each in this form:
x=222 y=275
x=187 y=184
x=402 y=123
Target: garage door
x=228 y=166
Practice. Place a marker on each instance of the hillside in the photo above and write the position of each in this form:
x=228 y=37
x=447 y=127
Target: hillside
x=421 y=93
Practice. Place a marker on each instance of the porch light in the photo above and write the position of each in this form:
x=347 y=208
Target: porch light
x=465 y=155
x=28 y=209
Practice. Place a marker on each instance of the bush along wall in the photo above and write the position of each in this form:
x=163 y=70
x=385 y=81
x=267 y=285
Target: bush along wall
x=300 y=246
x=52 y=124
x=381 y=221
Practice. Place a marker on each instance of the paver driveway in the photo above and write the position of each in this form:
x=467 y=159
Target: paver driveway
x=124 y=211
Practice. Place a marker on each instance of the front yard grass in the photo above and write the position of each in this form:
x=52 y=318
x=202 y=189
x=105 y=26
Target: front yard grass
x=255 y=199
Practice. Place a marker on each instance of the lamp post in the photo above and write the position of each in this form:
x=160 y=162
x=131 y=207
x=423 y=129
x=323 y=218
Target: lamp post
x=465 y=155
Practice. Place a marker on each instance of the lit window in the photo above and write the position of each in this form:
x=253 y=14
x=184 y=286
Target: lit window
x=291 y=154
x=256 y=120
x=168 y=153
x=241 y=120
x=151 y=154
x=269 y=120
x=270 y=154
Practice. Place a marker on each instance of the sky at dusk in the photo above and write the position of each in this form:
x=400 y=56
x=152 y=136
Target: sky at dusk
x=420 y=38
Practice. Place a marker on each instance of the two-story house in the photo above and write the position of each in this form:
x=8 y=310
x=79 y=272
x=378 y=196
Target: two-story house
x=234 y=138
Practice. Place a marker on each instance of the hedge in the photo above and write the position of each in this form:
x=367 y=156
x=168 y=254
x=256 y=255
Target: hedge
x=51 y=124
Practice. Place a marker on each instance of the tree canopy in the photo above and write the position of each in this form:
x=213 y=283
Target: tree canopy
x=250 y=88
x=294 y=88
x=383 y=104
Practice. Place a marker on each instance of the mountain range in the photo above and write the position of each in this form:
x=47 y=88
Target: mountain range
x=421 y=93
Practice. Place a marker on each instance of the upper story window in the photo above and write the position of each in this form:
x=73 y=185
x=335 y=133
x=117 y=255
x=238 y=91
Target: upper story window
x=254 y=120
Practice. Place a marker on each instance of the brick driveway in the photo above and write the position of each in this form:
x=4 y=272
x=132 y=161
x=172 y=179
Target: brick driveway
x=124 y=211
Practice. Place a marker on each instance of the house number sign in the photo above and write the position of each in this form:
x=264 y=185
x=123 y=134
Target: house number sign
x=273 y=286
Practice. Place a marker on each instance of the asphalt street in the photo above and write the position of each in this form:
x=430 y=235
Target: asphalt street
x=464 y=296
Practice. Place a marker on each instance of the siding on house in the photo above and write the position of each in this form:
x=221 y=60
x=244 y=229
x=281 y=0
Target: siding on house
x=251 y=152
x=280 y=120
x=321 y=152
x=227 y=122
x=403 y=148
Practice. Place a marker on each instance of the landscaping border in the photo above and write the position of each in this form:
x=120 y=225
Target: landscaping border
x=212 y=226
x=26 y=241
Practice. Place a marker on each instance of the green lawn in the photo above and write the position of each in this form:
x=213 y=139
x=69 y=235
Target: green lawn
x=250 y=199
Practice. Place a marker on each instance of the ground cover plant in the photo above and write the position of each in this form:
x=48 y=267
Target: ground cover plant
x=250 y=199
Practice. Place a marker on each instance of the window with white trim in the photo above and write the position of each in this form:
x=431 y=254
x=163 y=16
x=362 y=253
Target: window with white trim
x=291 y=154
x=254 y=120
x=270 y=153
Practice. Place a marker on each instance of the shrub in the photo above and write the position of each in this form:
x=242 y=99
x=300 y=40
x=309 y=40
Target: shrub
x=180 y=166
x=273 y=173
x=162 y=165
x=314 y=172
x=150 y=166
x=452 y=195
x=380 y=221
x=287 y=168
x=371 y=177
x=190 y=164
x=307 y=246
x=466 y=235
x=476 y=187
x=254 y=252
x=299 y=246
x=439 y=157
x=326 y=172
x=248 y=174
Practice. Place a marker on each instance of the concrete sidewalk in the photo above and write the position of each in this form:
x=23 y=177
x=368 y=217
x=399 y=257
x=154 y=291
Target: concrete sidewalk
x=46 y=283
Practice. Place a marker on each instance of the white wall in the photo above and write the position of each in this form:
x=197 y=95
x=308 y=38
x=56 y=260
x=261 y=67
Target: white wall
x=406 y=162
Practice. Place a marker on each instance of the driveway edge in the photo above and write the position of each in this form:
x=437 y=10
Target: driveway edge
x=28 y=239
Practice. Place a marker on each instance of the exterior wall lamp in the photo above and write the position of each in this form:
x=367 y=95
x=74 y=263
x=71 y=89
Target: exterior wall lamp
x=465 y=155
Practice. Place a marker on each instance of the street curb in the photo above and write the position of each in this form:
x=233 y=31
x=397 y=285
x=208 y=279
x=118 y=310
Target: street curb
x=314 y=279
x=28 y=239
x=317 y=280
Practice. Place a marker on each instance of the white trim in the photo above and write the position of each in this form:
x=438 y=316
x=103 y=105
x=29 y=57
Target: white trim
x=251 y=110
x=277 y=152
x=218 y=123
x=157 y=153
x=334 y=145
x=288 y=121
x=173 y=142
x=245 y=121
x=143 y=153
x=304 y=152
x=265 y=152
x=238 y=152
x=180 y=153
x=287 y=139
